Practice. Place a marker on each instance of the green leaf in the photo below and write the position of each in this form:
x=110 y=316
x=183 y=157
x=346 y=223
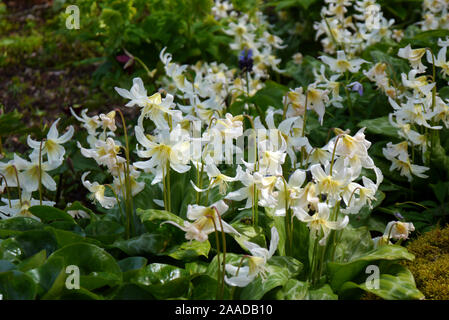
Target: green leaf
x=323 y=293
x=34 y=241
x=249 y=233
x=205 y=288
x=154 y=215
x=397 y=284
x=279 y=271
x=163 y=281
x=33 y=262
x=105 y=231
x=353 y=243
x=379 y=126
x=11 y=250
x=340 y=272
x=131 y=266
x=50 y=278
x=190 y=250
x=20 y=224
x=131 y=291
x=97 y=267
x=426 y=35
x=293 y=290
x=195 y=268
x=269 y=96
x=47 y=214
x=16 y=285
x=64 y=238
x=6 y=265
x=144 y=244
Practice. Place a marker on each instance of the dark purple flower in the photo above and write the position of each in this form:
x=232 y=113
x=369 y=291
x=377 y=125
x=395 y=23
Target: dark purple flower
x=398 y=216
x=246 y=60
x=356 y=86
x=127 y=59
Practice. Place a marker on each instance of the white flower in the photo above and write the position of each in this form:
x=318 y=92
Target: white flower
x=290 y=191
x=242 y=276
x=52 y=145
x=414 y=57
x=206 y=221
x=9 y=173
x=137 y=94
x=173 y=150
x=331 y=183
x=216 y=178
x=317 y=100
x=29 y=175
x=440 y=61
x=246 y=192
x=398 y=230
x=91 y=124
x=342 y=64
x=320 y=221
x=98 y=191
x=19 y=207
x=108 y=121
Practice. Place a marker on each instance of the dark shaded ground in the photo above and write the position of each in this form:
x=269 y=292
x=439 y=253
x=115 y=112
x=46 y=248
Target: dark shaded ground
x=41 y=77
x=40 y=71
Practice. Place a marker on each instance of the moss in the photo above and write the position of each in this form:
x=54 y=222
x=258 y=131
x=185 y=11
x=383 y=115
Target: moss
x=431 y=265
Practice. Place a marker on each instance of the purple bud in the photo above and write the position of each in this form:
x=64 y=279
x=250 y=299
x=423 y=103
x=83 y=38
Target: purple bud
x=246 y=60
x=356 y=86
x=398 y=216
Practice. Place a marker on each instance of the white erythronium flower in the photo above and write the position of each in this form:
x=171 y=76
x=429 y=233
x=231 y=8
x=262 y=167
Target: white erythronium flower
x=30 y=173
x=91 y=124
x=98 y=191
x=8 y=172
x=290 y=192
x=395 y=230
x=440 y=61
x=341 y=64
x=137 y=94
x=317 y=100
x=172 y=150
x=242 y=276
x=216 y=178
x=331 y=183
x=398 y=155
x=52 y=145
x=105 y=153
x=19 y=207
x=108 y=121
x=119 y=181
x=414 y=57
x=320 y=221
x=247 y=191
x=206 y=221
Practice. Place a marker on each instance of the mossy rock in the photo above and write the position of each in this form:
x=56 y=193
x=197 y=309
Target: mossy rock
x=431 y=265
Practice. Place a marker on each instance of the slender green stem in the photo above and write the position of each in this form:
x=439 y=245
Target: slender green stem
x=7 y=189
x=40 y=173
x=313 y=264
x=303 y=133
x=129 y=199
x=236 y=274
x=223 y=240
x=19 y=191
x=217 y=240
x=287 y=220
x=168 y=188
x=333 y=155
